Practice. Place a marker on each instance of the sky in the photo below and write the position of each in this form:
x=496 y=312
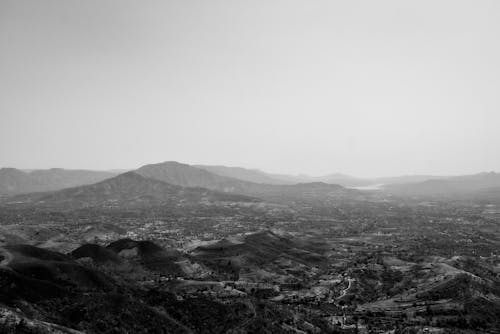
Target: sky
x=366 y=88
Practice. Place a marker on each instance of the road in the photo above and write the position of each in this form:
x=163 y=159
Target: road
x=6 y=257
x=346 y=290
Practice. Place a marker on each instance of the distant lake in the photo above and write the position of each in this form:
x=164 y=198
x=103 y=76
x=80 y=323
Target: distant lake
x=369 y=187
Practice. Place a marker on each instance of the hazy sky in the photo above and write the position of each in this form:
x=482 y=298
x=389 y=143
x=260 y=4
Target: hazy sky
x=361 y=87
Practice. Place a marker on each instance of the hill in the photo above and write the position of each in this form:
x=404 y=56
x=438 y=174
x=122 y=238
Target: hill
x=189 y=176
x=457 y=186
x=259 y=251
x=48 y=292
x=14 y=181
x=152 y=256
x=488 y=195
x=257 y=176
x=125 y=190
x=186 y=175
x=97 y=253
x=249 y=175
x=34 y=267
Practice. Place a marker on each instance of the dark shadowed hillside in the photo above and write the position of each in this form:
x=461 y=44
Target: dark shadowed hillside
x=149 y=254
x=48 y=292
x=49 y=268
x=262 y=250
x=97 y=253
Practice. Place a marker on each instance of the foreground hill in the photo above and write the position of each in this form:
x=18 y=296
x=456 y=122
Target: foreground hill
x=49 y=292
x=150 y=255
x=97 y=253
x=460 y=292
x=14 y=181
x=41 y=273
x=132 y=298
x=125 y=190
x=458 y=186
x=256 y=254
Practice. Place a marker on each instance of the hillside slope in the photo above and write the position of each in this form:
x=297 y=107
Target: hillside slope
x=14 y=181
x=457 y=186
x=245 y=174
x=186 y=175
x=125 y=190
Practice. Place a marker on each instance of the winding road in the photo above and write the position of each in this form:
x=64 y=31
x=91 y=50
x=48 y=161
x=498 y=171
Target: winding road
x=6 y=257
x=346 y=290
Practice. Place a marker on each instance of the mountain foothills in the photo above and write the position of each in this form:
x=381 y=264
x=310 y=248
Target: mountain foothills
x=176 y=248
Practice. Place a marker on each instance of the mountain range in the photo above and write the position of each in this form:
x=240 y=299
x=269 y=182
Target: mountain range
x=258 y=176
x=476 y=186
x=125 y=190
x=15 y=181
x=175 y=184
x=172 y=182
x=189 y=176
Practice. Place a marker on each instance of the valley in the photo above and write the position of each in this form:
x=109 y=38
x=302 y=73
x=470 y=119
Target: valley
x=138 y=254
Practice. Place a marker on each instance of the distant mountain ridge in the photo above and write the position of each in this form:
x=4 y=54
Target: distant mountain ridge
x=222 y=180
x=186 y=175
x=245 y=174
x=258 y=176
x=176 y=184
x=14 y=181
x=125 y=190
x=470 y=185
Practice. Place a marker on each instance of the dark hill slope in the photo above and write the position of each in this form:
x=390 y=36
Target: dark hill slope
x=126 y=306
x=23 y=253
x=14 y=286
x=49 y=268
x=144 y=247
x=97 y=253
x=257 y=248
x=254 y=252
x=149 y=254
